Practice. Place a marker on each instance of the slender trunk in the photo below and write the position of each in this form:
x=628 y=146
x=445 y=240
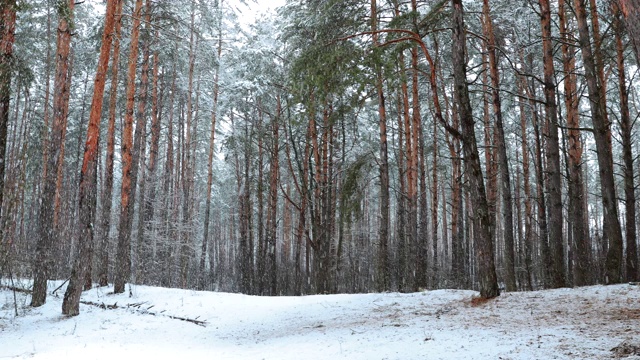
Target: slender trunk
x=581 y=248
x=383 y=241
x=553 y=153
x=7 y=38
x=528 y=208
x=47 y=96
x=207 y=206
x=272 y=225
x=149 y=204
x=261 y=229
x=483 y=243
x=47 y=235
x=627 y=155
x=630 y=10
x=401 y=202
x=88 y=177
x=107 y=195
x=602 y=136
x=505 y=177
x=187 y=170
x=123 y=256
x=143 y=248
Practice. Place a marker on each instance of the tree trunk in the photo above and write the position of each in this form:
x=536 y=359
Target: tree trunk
x=528 y=212
x=272 y=225
x=505 y=177
x=581 y=248
x=140 y=148
x=602 y=134
x=47 y=235
x=383 y=233
x=627 y=156
x=207 y=206
x=88 y=176
x=151 y=177
x=107 y=195
x=123 y=256
x=553 y=153
x=631 y=11
x=7 y=38
x=483 y=243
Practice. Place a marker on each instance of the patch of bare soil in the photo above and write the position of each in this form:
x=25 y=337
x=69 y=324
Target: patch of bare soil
x=626 y=349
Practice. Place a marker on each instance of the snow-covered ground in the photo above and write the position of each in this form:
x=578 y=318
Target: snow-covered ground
x=581 y=323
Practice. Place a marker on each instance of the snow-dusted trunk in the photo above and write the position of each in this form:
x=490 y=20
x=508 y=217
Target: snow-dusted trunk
x=7 y=38
x=631 y=263
x=501 y=150
x=602 y=136
x=47 y=231
x=272 y=209
x=107 y=193
x=123 y=255
x=528 y=206
x=143 y=247
x=581 y=248
x=482 y=240
x=554 y=189
x=214 y=115
x=383 y=233
x=88 y=175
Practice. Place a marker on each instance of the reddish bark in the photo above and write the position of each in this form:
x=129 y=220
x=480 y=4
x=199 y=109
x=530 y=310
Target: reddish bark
x=123 y=255
x=88 y=177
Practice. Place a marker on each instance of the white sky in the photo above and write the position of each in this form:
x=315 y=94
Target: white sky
x=256 y=8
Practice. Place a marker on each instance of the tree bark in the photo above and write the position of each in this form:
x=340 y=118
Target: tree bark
x=143 y=251
x=580 y=238
x=107 y=195
x=272 y=225
x=483 y=244
x=556 y=240
x=123 y=255
x=631 y=11
x=47 y=231
x=7 y=38
x=207 y=206
x=602 y=134
x=505 y=177
x=383 y=233
x=88 y=175
x=631 y=263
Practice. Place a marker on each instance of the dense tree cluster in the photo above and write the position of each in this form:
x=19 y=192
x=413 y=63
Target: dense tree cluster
x=341 y=146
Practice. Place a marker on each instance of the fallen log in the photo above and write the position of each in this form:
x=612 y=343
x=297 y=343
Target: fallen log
x=137 y=307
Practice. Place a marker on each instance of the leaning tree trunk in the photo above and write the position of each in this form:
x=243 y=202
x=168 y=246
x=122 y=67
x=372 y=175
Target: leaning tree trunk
x=46 y=228
x=601 y=134
x=88 y=178
x=483 y=244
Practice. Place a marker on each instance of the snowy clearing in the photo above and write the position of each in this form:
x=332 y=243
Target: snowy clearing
x=594 y=322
